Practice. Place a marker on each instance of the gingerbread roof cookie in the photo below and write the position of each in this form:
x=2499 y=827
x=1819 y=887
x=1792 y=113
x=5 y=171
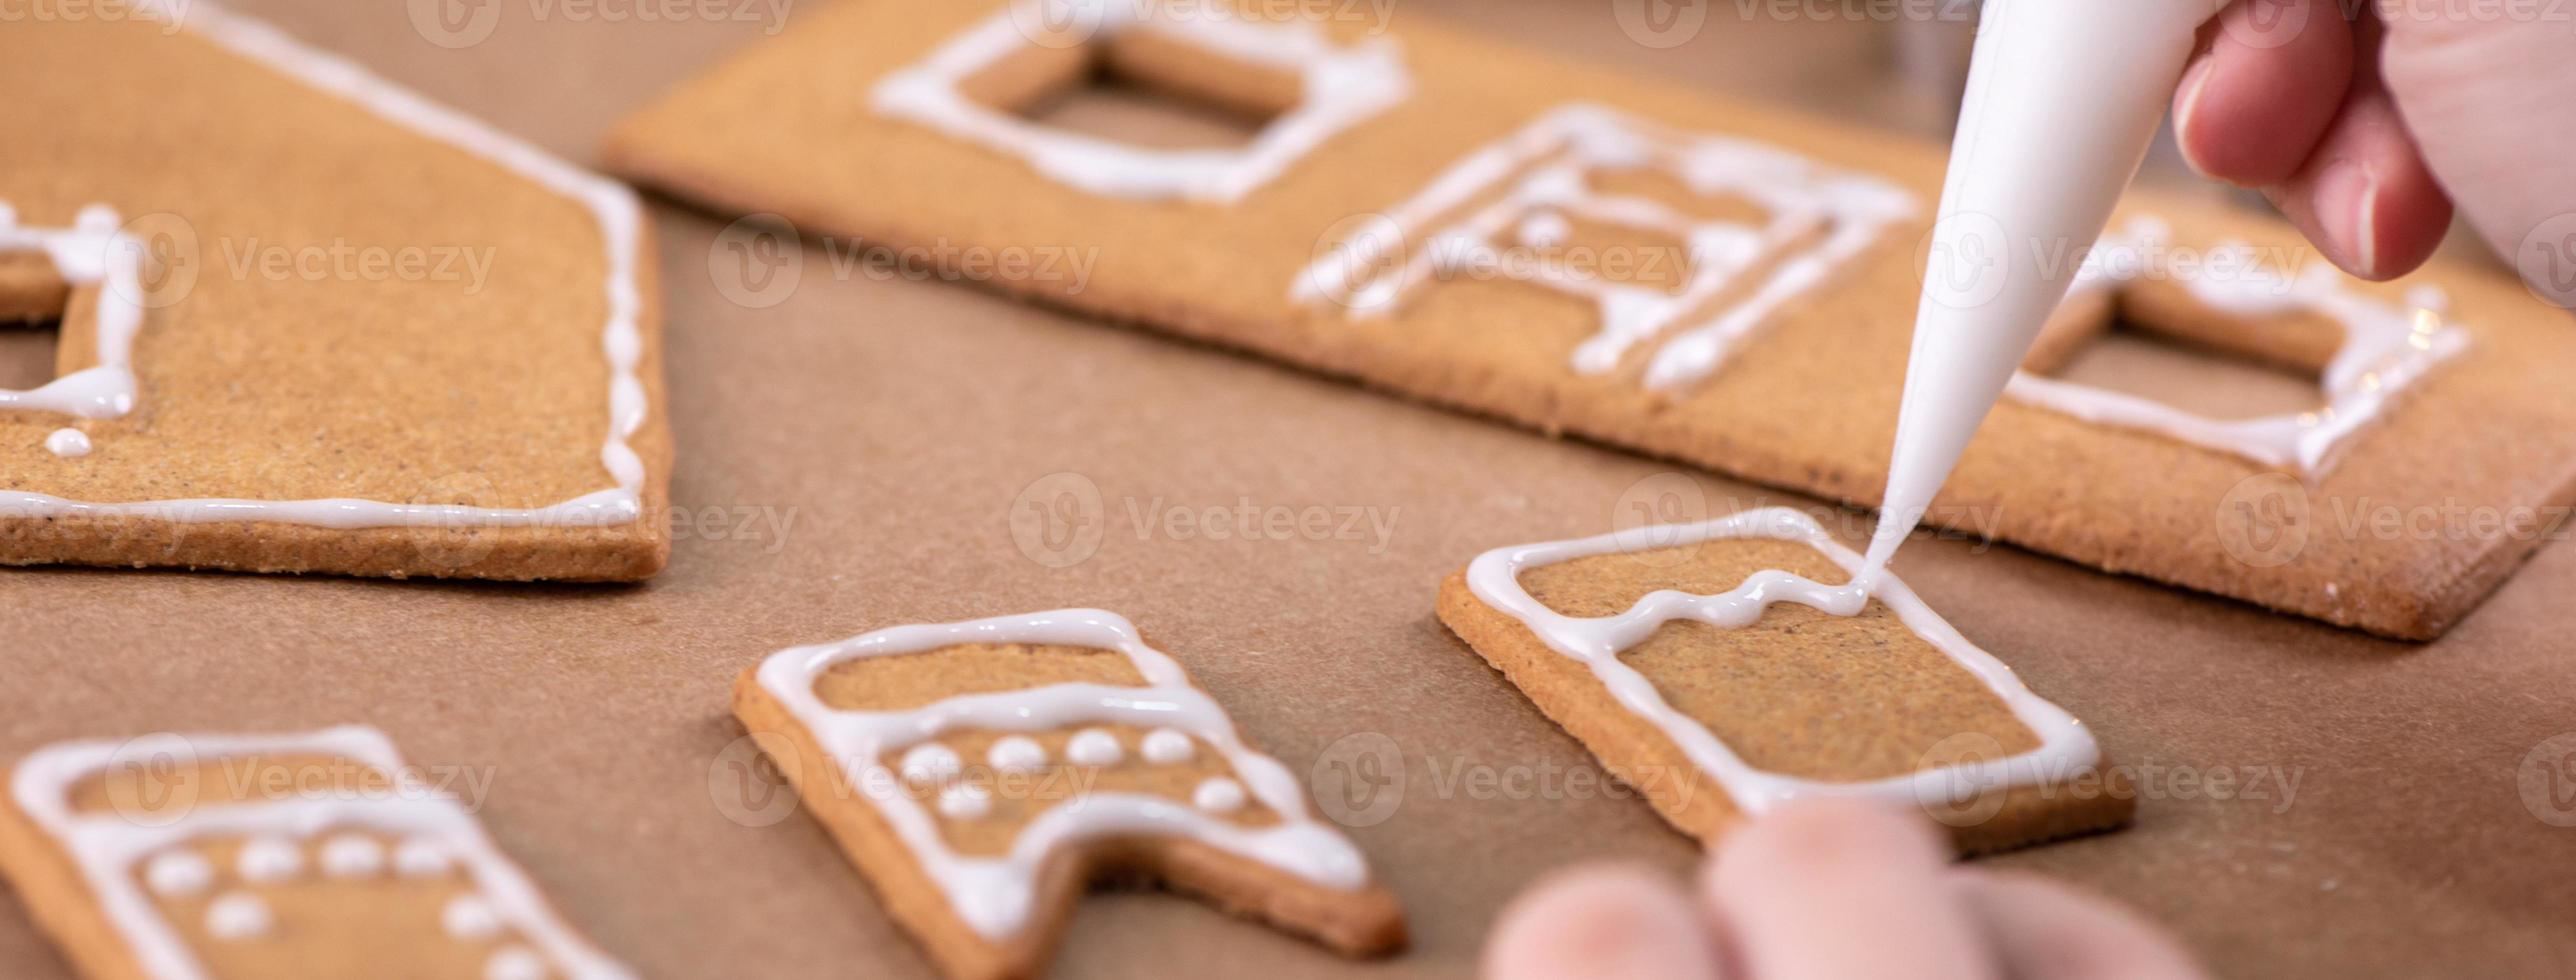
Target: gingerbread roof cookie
x=176 y=857
x=310 y=321
x=982 y=773
x=1728 y=666
x=1577 y=251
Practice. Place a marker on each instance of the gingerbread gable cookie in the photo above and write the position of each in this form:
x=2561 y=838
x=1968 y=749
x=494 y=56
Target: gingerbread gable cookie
x=1712 y=667
x=310 y=855
x=981 y=774
x=1587 y=253
x=311 y=322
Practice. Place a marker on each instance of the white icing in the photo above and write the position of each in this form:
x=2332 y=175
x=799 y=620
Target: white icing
x=470 y=918
x=1017 y=754
x=611 y=205
x=2387 y=347
x=1528 y=184
x=994 y=895
x=422 y=858
x=105 y=847
x=1094 y=747
x=1164 y=746
x=514 y=963
x=237 y=916
x=94 y=255
x=931 y=763
x=1343 y=85
x=179 y=873
x=2065 y=746
x=269 y=860
x=1218 y=795
x=67 y=443
x=352 y=856
x=965 y=801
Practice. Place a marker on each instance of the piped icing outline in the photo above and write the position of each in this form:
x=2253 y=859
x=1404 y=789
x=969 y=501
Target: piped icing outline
x=1545 y=164
x=611 y=204
x=1345 y=85
x=91 y=254
x=995 y=896
x=106 y=848
x=2066 y=747
x=2387 y=348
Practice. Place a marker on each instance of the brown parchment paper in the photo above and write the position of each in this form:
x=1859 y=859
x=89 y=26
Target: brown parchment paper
x=854 y=454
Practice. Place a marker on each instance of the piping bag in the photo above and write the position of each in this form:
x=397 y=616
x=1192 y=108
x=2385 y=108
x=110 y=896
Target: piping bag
x=2063 y=98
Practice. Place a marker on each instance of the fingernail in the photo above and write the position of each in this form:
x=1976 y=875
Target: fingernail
x=2348 y=212
x=2193 y=82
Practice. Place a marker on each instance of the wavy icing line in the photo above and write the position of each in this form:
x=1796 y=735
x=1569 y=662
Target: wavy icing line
x=610 y=203
x=1542 y=171
x=107 y=848
x=2065 y=748
x=1344 y=86
x=994 y=895
x=2387 y=348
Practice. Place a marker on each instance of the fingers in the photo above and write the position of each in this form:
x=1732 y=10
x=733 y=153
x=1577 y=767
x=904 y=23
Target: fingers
x=2365 y=196
x=1838 y=889
x=2040 y=929
x=2272 y=78
x=1612 y=923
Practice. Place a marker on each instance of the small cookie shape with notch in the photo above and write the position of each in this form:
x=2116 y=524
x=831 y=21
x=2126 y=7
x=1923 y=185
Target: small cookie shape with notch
x=982 y=773
x=176 y=857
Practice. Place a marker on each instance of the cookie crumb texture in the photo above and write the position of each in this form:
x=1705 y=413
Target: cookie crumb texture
x=1795 y=386
x=338 y=307
x=983 y=791
x=1799 y=693
x=283 y=860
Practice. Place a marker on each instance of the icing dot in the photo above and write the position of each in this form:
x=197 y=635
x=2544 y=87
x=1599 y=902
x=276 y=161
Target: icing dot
x=352 y=856
x=1218 y=795
x=237 y=915
x=418 y=858
x=931 y=763
x=514 y=963
x=965 y=801
x=178 y=874
x=68 y=443
x=469 y=917
x=1165 y=746
x=1017 y=754
x=269 y=859
x=1094 y=747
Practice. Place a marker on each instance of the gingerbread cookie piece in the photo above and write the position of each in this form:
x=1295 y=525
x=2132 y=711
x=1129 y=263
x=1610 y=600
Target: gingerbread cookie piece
x=981 y=774
x=310 y=321
x=1586 y=253
x=310 y=855
x=1727 y=666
